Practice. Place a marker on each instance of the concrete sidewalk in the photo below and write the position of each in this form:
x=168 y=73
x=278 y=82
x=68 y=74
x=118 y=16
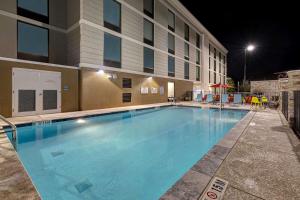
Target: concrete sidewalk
x=265 y=161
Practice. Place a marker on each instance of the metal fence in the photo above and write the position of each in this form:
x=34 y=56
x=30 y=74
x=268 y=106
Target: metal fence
x=296 y=124
x=285 y=104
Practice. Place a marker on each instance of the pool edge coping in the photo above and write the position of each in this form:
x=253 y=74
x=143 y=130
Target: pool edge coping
x=23 y=172
x=194 y=182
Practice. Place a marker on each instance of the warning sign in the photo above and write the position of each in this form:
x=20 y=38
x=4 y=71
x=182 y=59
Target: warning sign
x=216 y=190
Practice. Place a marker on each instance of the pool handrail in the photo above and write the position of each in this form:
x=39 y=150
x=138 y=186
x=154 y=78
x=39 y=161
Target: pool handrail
x=13 y=127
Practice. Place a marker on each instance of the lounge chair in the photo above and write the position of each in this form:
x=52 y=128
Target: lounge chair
x=237 y=99
x=209 y=98
x=199 y=98
x=225 y=98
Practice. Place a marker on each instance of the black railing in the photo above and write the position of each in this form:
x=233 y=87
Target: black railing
x=296 y=124
x=285 y=104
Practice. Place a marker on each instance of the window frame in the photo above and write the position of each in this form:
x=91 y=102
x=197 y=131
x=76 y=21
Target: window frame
x=124 y=81
x=29 y=56
x=187 y=57
x=174 y=18
x=124 y=95
x=33 y=15
x=197 y=73
x=111 y=63
x=198 y=40
x=149 y=42
x=170 y=73
x=146 y=12
x=147 y=69
x=172 y=51
x=112 y=26
x=186 y=76
x=186 y=31
x=198 y=56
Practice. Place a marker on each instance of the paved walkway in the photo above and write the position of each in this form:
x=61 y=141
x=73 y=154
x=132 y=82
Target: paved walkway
x=265 y=162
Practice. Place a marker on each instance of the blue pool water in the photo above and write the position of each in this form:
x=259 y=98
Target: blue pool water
x=125 y=156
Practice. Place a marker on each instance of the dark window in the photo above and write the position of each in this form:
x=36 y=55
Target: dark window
x=220 y=66
x=33 y=42
x=198 y=57
x=209 y=77
x=127 y=83
x=198 y=41
x=112 y=15
x=34 y=9
x=215 y=53
x=209 y=49
x=171 y=21
x=171 y=43
x=186 y=51
x=186 y=32
x=148 y=60
x=209 y=64
x=186 y=70
x=171 y=66
x=197 y=73
x=215 y=65
x=148 y=32
x=215 y=77
x=112 y=50
x=126 y=97
x=149 y=7
x=220 y=56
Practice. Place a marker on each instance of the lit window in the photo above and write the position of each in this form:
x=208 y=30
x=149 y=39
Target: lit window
x=112 y=50
x=112 y=15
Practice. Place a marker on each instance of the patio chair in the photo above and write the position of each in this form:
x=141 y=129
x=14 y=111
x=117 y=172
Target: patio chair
x=209 y=98
x=264 y=101
x=255 y=101
x=199 y=98
x=237 y=99
x=225 y=98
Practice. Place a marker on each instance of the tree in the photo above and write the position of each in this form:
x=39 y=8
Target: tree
x=231 y=83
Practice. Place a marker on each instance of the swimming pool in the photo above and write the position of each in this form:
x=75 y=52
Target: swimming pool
x=129 y=155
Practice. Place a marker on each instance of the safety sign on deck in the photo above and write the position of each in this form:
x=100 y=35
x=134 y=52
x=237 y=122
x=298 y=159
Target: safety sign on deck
x=215 y=190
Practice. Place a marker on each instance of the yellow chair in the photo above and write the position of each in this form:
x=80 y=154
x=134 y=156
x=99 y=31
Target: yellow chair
x=255 y=101
x=264 y=99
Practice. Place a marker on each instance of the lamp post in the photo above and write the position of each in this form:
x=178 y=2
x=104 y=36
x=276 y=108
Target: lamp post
x=248 y=48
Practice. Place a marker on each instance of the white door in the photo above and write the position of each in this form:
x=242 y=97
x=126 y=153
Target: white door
x=171 y=89
x=35 y=92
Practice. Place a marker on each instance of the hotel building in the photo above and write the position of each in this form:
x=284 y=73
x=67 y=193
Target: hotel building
x=70 y=55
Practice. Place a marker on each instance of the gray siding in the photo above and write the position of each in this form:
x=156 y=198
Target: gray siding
x=132 y=56
x=179 y=68
x=160 y=63
x=57 y=47
x=132 y=24
x=92 y=11
x=160 y=38
x=58 y=13
x=161 y=14
x=91 y=45
x=137 y=4
x=73 y=12
x=73 y=47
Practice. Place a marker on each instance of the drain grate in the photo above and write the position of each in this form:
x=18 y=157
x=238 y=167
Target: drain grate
x=83 y=186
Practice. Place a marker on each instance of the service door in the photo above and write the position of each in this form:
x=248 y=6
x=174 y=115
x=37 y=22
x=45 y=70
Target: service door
x=35 y=92
x=171 y=88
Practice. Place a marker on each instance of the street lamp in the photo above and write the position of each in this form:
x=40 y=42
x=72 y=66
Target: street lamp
x=249 y=48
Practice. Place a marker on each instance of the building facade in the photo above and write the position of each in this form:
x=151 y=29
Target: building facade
x=68 y=55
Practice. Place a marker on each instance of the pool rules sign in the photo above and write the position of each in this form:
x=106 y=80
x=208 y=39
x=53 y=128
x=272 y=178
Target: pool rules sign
x=215 y=190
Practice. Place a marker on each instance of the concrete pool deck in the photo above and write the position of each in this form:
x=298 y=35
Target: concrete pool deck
x=259 y=157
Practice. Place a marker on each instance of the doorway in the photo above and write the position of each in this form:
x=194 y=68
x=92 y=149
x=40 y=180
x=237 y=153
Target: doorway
x=35 y=92
x=171 y=90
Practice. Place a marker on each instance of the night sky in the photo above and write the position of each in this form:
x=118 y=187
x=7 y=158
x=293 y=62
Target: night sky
x=274 y=28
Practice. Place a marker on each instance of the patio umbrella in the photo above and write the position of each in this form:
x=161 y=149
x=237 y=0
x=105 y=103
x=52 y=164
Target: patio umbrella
x=219 y=85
